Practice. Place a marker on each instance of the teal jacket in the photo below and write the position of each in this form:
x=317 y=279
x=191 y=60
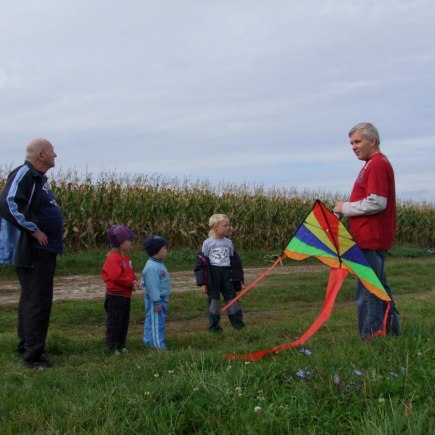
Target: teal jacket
x=156 y=281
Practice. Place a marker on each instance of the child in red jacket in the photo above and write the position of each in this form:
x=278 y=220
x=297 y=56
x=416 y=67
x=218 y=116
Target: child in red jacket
x=121 y=281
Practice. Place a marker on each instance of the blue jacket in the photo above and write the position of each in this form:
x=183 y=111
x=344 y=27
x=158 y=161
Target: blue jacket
x=28 y=204
x=18 y=200
x=156 y=281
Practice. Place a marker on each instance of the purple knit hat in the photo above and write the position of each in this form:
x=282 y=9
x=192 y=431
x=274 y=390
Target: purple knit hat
x=118 y=234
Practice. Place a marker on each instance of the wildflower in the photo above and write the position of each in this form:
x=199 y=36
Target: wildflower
x=156 y=375
x=357 y=372
x=171 y=371
x=394 y=374
x=247 y=363
x=196 y=389
x=146 y=393
x=381 y=400
x=258 y=409
x=336 y=379
x=300 y=373
x=307 y=352
x=228 y=368
x=138 y=366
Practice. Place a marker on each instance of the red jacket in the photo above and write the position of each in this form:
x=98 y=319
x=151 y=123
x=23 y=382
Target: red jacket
x=118 y=275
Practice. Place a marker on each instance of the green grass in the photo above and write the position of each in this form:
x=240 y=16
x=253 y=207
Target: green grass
x=90 y=262
x=384 y=387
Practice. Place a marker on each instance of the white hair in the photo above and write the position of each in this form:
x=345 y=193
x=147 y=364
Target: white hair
x=368 y=130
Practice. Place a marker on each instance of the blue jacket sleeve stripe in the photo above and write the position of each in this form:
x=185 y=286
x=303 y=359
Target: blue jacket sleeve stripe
x=12 y=205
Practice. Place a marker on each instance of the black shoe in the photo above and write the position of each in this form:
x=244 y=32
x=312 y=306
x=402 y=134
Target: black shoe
x=216 y=330
x=40 y=364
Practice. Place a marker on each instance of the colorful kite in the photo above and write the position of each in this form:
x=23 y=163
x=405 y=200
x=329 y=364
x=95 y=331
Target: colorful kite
x=323 y=236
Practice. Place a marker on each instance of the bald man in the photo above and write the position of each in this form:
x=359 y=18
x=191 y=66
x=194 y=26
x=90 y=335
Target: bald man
x=28 y=203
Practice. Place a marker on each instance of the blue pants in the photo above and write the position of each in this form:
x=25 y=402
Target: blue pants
x=155 y=325
x=370 y=308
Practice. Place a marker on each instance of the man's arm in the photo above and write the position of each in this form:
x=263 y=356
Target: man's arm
x=15 y=200
x=372 y=204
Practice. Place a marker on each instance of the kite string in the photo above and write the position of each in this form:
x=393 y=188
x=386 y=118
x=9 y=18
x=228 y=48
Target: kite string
x=246 y=289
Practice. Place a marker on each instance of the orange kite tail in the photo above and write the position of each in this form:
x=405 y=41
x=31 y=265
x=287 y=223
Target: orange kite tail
x=383 y=331
x=336 y=278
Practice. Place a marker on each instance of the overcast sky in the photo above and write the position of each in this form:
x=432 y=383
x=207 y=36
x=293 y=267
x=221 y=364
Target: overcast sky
x=256 y=92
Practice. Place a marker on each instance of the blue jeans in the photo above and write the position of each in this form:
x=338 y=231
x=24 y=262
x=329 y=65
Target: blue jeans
x=370 y=308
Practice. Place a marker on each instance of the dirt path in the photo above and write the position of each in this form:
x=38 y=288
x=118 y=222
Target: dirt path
x=91 y=286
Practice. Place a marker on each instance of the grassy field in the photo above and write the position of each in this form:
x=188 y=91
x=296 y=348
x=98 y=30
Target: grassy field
x=336 y=384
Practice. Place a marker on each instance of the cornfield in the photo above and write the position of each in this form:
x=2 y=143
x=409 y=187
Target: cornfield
x=179 y=211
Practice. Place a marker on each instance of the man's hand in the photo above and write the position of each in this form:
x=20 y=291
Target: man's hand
x=40 y=237
x=158 y=308
x=339 y=207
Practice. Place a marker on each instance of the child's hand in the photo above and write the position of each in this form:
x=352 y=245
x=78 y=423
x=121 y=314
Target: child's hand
x=158 y=308
x=203 y=289
x=136 y=285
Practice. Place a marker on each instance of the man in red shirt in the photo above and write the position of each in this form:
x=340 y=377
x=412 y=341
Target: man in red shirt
x=372 y=219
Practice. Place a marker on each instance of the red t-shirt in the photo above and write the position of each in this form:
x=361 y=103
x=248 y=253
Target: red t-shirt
x=118 y=274
x=375 y=231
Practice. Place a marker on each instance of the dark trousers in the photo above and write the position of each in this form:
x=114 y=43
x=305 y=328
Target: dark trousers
x=34 y=307
x=118 y=319
x=221 y=283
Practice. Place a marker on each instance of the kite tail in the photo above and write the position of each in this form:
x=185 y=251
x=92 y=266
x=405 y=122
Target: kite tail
x=245 y=290
x=382 y=332
x=336 y=278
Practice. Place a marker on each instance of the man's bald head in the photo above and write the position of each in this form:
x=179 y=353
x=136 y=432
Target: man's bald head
x=40 y=153
x=34 y=146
